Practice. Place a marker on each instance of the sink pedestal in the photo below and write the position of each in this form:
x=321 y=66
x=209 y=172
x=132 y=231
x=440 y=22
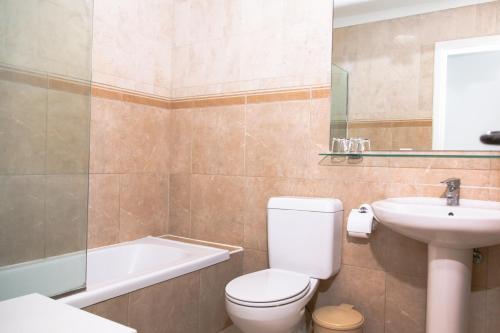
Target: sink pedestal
x=448 y=289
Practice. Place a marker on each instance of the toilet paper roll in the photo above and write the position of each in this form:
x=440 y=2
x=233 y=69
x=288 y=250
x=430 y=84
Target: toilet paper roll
x=360 y=222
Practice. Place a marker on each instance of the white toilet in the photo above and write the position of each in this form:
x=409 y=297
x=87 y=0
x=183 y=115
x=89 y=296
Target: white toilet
x=304 y=238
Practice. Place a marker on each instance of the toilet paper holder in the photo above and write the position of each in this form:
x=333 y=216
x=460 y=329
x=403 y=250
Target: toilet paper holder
x=361 y=222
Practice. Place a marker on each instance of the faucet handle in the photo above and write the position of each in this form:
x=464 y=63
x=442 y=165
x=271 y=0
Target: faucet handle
x=452 y=183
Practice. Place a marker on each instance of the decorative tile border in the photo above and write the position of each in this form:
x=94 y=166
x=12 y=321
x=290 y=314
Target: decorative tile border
x=108 y=92
x=390 y=123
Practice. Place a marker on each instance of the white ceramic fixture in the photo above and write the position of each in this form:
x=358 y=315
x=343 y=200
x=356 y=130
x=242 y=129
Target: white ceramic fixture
x=124 y=267
x=35 y=313
x=304 y=240
x=451 y=233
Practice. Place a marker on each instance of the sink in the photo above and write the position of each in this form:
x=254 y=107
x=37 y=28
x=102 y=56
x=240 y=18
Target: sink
x=473 y=224
x=451 y=233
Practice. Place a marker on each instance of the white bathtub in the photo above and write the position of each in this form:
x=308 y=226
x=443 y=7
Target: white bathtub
x=122 y=268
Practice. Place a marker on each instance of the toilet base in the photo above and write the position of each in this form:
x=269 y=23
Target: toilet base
x=260 y=321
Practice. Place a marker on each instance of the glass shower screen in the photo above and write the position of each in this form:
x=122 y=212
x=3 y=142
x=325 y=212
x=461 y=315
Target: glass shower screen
x=45 y=72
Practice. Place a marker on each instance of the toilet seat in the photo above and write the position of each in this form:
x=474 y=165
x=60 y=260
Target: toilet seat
x=268 y=288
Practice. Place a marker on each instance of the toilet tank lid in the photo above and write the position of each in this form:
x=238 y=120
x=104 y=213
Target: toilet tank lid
x=308 y=204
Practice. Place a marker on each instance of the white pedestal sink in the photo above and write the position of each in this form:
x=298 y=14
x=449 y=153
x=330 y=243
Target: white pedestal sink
x=451 y=232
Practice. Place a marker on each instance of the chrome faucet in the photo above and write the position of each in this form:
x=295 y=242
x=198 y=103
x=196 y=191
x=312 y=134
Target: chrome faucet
x=452 y=191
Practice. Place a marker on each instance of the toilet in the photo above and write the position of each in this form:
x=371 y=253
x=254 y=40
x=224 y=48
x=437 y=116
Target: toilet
x=304 y=244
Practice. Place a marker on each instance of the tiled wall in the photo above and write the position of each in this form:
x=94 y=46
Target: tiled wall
x=44 y=130
x=191 y=303
x=240 y=45
x=132 y=45
x=396 y=58
x=129 y=170
x=184 y=48
x=206 y=169
x=229 y=160
x=31 y=37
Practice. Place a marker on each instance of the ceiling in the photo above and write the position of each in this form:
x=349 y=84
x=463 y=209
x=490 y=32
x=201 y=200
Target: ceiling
x=353 y=12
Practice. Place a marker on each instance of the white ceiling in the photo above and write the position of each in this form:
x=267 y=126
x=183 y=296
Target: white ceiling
x=352 y=12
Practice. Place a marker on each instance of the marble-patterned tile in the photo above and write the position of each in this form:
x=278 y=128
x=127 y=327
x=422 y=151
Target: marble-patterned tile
x=492 y=308
x=145 y=139
x=213 y=280
x=478 y=314
x=143 y=205
x=361 y=287
x=218 y=140
x=361 y=252
x=68 y=127
x=170 y=306
x=66 y=210
x=180 y=140
x=115 y=309
x=254 y=260
x=493 y=262
x=404 y=255
x=104 y=210
x=405 y=303
x=105 y=136
x=22 y=218
x=259 y=191
x=217 y=205
x=23 y=109
x=179 y=221
x=277 y=141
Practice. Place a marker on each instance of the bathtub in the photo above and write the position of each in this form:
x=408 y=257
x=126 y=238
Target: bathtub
x=122 y=268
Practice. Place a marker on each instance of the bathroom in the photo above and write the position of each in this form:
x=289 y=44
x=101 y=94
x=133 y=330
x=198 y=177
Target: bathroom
x=153 y=122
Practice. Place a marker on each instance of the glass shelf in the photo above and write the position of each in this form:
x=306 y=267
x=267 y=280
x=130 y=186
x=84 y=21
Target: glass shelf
x=421 y=154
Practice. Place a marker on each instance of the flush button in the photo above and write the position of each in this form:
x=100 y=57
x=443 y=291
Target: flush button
x=451 y=214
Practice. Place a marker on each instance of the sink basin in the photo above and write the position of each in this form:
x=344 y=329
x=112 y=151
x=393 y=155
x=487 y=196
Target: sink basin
x=451 y=233
x=473 y=224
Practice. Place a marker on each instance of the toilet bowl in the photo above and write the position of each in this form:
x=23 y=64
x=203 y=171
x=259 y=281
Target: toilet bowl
x=304 y=239
x=271 y=301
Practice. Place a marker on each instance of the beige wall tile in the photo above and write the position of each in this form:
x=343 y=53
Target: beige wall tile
x=213 y=280
x=218 y=140
x=217 y=205
x=277 y=141
x=22 y=218
x=145 y=139
x=361 y=287
x=66 y=214
x=23 y=109
x=493 y=308
x=478 y=315
x=68 y=119
x=179 y=221
x=125 y=35
x=493 y=267
x=170 y=306
x=254 y=261
x=104 y=210
x=180 y=140
x=115 y=309
x=143 y=205
x=128 y=138
x=404 y=255
x=258 y=192
x=105 y=136
x=405 y=303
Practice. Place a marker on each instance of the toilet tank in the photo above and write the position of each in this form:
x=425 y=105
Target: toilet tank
x=304 y=235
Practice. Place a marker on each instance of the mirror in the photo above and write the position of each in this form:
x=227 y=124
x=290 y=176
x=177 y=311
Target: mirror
x=416 y=75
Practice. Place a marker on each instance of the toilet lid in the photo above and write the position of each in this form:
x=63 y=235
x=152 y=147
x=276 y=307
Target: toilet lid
x=270 y=285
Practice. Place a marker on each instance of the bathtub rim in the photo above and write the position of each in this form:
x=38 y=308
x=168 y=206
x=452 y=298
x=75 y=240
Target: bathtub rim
x=86 y=297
